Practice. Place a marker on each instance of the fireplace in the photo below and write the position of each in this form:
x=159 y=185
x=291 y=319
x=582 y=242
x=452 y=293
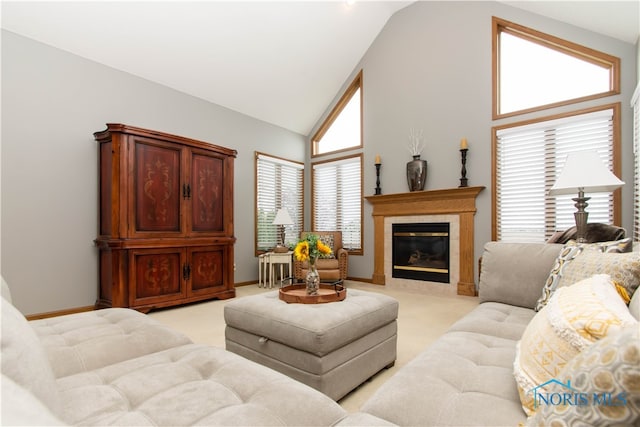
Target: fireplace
x=420 y=251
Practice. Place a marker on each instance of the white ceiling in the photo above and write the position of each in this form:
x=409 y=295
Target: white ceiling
x=280 y=62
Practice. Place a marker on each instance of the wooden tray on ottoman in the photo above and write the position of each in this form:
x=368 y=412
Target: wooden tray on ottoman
x=328 y=292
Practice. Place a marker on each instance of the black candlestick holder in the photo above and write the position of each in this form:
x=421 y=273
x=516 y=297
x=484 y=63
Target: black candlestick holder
x=378 y=189
x=463 y=172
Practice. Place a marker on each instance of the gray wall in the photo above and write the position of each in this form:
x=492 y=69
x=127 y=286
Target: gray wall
x=430 y=68
x=52 y=102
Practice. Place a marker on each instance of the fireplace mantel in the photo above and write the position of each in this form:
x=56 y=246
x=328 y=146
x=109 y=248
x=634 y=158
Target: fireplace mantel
x=457 y=201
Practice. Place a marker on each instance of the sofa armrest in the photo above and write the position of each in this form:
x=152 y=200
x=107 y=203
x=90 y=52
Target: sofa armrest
x=514 y=273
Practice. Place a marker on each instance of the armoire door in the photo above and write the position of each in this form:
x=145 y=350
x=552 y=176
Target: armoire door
x=157 y=275
x=207 y=269
x=156 y=195
x=207 y=188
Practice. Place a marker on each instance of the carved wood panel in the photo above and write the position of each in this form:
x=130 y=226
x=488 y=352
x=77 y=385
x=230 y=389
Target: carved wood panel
x=207 y=268
x=157 y=187
x=158 y=274
x=207 y=184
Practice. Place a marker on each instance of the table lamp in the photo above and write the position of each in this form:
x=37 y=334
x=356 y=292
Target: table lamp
x=583 y=172
x=282 y=218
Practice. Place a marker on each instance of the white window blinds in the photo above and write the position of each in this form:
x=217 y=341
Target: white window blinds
x=530 y=157
x=337 y=199
x=635 y=103
x=279 y=184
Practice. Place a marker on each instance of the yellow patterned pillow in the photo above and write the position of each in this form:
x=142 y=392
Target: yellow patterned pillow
x=605 y=377
x=575 y=317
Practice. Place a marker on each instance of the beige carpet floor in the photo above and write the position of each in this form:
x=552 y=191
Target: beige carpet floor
x=422 y=318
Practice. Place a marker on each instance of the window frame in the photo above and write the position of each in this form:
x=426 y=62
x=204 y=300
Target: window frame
x=351 y=90
x=635 y=104
x=616 y=158
x=566 y=47
x=356 y=251
x=281 y=161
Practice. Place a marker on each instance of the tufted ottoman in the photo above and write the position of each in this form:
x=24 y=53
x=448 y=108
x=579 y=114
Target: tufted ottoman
x=331 y=347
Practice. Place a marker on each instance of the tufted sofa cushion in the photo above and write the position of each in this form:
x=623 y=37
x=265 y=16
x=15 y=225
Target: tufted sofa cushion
x=188 y=385
x=464 y=378
x=85 y=341
x=512 y=273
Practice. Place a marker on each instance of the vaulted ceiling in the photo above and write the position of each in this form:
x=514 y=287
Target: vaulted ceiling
x=280 y=62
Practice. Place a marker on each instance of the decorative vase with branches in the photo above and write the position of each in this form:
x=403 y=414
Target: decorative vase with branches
x=416 y=168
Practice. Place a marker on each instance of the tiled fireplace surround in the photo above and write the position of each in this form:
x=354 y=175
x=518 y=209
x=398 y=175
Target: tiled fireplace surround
x=455 y=206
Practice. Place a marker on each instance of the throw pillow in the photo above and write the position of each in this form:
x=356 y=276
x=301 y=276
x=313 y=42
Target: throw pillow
x=327 y=239
x=24 y=359
x=634 y=305
x=575 y=317
x=603 y=383
x=568 y=254
x=624 y=269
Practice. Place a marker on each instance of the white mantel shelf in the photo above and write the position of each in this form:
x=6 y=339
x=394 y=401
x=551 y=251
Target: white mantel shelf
x=457 y=201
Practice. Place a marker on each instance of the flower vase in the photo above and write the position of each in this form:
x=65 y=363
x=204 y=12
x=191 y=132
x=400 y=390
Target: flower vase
x=313 y=278
x=416 y=174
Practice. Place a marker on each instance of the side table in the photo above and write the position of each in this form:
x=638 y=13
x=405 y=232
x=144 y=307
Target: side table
x=280 y=259
x=264 y=269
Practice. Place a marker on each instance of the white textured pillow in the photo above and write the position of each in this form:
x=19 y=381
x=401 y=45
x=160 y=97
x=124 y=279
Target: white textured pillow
x=24 y=359
x=5 y=291
x=574 y=318
x=21 y=408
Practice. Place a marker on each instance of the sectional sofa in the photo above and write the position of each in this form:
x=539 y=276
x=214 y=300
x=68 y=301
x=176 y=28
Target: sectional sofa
x=120 y=367
x=466 y=377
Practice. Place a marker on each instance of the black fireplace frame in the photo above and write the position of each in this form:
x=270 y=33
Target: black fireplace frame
x=439 y=271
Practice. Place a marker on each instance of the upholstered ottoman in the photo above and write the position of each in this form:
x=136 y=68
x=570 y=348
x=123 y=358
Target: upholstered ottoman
x=332 y=347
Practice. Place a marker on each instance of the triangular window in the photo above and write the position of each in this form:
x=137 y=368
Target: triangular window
x=534 y=71
x=342 y=129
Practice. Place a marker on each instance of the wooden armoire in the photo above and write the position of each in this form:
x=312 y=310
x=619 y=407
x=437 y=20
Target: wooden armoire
x=166 y=219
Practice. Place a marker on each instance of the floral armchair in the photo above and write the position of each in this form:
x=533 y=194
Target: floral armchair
x=330 y=269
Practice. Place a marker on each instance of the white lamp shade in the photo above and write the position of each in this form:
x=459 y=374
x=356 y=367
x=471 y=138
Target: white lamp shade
x=584 y=170
x=282 y=218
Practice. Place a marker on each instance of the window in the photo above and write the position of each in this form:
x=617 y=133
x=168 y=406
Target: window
x=528 y=159
x=342 y=129
x=279 y=184
x=337 y=199
x=533 y=71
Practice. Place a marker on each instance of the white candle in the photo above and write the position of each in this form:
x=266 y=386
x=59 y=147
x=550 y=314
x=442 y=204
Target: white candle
x=463 y=144
x=378 y=159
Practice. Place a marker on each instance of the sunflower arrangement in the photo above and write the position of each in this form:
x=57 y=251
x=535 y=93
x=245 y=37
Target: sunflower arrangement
x=310 y=248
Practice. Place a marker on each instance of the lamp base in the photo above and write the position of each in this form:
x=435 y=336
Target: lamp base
x=581 y=216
